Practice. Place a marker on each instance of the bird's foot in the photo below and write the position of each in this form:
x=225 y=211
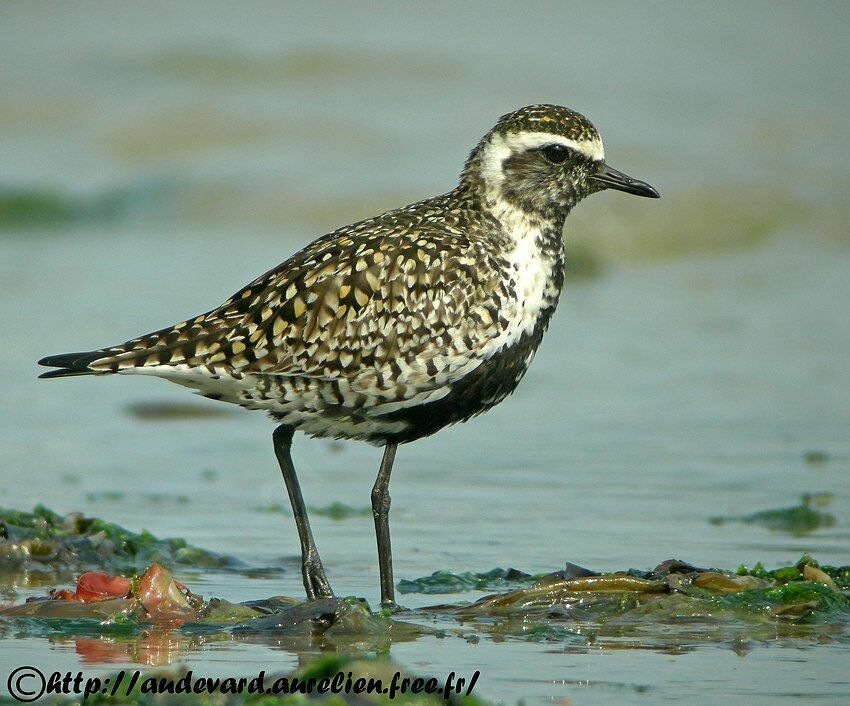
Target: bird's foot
x=392 y=608
x=315 y=581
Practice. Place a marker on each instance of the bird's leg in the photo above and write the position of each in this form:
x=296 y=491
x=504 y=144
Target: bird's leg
x=381 y=513
x=315 y=582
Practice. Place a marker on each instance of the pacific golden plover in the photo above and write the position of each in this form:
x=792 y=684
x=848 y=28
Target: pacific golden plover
x=389 y=329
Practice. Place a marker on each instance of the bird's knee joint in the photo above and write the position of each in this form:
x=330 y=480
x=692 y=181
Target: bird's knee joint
x=381 y=502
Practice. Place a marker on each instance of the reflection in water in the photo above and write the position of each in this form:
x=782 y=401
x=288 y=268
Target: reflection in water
x=156 y=647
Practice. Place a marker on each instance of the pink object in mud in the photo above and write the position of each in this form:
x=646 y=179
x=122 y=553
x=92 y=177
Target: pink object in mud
x=161 y=596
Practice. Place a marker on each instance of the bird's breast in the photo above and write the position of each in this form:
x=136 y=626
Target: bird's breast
x=534 y=274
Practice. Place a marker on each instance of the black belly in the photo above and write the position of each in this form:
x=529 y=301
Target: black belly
x=476 y=392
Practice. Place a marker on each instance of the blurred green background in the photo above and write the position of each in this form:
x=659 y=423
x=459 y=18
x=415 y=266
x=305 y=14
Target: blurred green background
x=300 y=117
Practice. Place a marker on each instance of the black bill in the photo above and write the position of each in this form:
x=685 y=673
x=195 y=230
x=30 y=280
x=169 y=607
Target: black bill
x=611 y=178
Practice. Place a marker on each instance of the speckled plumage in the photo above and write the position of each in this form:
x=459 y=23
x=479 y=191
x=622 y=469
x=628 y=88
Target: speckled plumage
x=388 y=329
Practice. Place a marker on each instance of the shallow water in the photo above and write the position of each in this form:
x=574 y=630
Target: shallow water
x=688 y=380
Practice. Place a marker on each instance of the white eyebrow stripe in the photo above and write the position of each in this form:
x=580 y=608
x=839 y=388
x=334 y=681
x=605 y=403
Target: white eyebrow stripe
x=519 y=141
x=501 y=147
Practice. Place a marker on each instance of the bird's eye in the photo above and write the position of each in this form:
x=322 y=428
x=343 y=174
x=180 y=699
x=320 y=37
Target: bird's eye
x=555 y=153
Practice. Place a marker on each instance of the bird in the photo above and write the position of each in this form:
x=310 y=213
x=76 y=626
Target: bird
x=393 y=327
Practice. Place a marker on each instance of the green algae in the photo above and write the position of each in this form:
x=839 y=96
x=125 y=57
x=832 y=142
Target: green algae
x=840 y=575
x=43 y=541
x=276 y=508
x=798 y=600
x=334 y=511
x=674 y=591
x=341 y=511
x=37 y=206
x=166 y=498
x=448 y=582
x=797 y=520
x=663 y=608
x=23 y=207
x=675 y=607
x=112 y=496
x=815 y=457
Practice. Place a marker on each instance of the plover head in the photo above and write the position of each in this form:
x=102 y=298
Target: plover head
x=543 y=159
